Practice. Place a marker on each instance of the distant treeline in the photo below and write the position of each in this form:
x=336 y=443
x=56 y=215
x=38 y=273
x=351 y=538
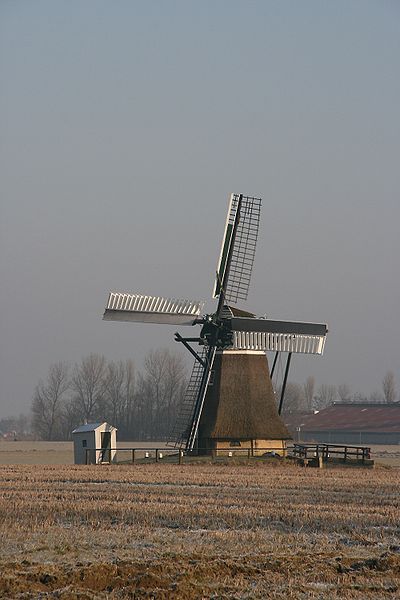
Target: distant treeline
x=305 y=397
x=142 y=405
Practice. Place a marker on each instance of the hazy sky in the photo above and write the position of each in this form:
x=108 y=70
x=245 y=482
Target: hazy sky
x=124 y=127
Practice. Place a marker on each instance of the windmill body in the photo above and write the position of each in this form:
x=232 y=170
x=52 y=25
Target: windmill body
x=240 y=409
x=229 y=401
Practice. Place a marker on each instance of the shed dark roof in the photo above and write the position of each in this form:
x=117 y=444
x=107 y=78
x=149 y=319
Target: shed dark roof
x=349 y=417
x=92 y=427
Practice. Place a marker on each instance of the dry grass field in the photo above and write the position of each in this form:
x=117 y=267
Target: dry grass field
x=50 y=453
x=62 y=453
x=199 y=531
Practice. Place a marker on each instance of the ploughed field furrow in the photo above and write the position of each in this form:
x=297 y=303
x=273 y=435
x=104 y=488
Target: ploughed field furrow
x=197 y=575
x=170 y=531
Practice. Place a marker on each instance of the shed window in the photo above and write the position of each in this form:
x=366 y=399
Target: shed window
x=84 y=443
x=235 y=444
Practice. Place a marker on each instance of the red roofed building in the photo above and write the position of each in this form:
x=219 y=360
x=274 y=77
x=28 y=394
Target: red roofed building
x=349 y=423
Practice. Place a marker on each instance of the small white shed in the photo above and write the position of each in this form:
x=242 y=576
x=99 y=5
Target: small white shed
x=94 y=443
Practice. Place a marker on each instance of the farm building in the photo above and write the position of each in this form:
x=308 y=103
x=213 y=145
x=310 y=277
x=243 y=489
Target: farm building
x=349 y=423
x=94 y=443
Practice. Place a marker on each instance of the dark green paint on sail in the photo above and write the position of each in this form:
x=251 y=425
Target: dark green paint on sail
x=224 y=257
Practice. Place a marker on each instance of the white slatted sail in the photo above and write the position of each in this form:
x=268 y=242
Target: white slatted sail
x=279 y=342
x=278 y=336
x=151 y=309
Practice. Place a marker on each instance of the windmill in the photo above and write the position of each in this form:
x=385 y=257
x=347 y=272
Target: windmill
x=229 y=400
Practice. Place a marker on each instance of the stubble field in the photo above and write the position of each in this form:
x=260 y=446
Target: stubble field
x=199 y=531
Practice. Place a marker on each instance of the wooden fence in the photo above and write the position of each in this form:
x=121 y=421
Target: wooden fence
x=173 y=455
x=332 y=453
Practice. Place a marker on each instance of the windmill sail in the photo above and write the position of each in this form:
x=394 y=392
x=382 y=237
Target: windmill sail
x=279 y=336
x=236 y=274
x=152 y=309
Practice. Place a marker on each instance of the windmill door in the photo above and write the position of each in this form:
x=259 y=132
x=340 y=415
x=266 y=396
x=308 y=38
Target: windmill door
x=106 y=446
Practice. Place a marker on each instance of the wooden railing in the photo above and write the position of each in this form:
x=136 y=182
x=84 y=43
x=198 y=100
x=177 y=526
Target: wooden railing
x=305 y=453
x=359 y=454
x=147 y=454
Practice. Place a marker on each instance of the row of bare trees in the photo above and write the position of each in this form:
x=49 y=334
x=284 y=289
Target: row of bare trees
x=141 y=405
x=306 y=398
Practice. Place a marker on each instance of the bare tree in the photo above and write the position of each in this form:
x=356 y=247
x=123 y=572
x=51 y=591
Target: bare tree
x=114 y=398
x=160 y=391
x=175 y=387
x=359 y=398
x=88 y=385
x=326 y=395
x=294 y=400
x=127 y=426
x=389 y=387
x=376 y=397
x=308 y=392
x=70 y=417
x=47 y=402
x=344 y=392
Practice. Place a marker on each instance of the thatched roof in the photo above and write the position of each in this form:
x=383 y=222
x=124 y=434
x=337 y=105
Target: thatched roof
x=241 y=404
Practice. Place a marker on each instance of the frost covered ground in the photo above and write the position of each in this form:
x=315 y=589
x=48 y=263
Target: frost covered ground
x=199 y=531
